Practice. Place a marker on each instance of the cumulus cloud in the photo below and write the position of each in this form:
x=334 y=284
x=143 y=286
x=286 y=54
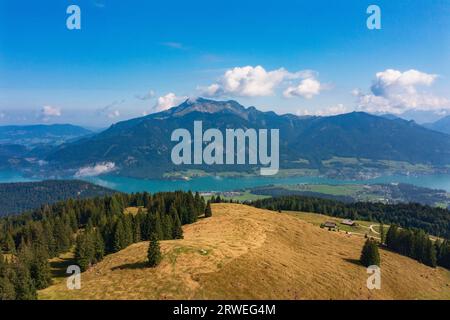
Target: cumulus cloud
x=252 y=81
x=97 y=169
x=395 y=92
x=307 y=88
x=168 y=101
x=331 y=111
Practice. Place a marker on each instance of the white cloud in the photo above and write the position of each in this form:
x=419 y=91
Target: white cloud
x=252 y=81
x=395 y=92
x=114 y=114
x=150 y=94
x=168 y=101
x=97 y=169
x=110 y=110
x=307 y=88
x=49 y=111
x=331 y=111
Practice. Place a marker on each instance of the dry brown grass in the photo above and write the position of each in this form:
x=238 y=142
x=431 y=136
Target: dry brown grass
x=134 y=210
x=248 y=253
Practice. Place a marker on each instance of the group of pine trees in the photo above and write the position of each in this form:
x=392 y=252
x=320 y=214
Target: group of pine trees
x=413 y=243
x=95 y=227
x=418 y=245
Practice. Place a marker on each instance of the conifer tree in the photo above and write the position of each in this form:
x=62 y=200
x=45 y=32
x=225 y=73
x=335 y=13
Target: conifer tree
x=154 y=252
x=99 y=246
x=119 y=236
x=23 y=283
x=208 y=211
x=7 y=291
x=40 y=268
x=444 y=254
x=177 y=232
x=370 y=255
x=391 y=237
x=2 y=263
x=10 y=246
x=128 y=229
x=137 y=227
x=430 y=254
x=382 y=235
x=158 y=228
x=82 y=256
x=167 y=226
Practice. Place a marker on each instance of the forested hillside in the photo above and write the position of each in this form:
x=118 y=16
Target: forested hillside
x=23 y=196
x=95 y=226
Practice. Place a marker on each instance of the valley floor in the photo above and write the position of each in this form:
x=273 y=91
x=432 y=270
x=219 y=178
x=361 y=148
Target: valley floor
x=248 y=253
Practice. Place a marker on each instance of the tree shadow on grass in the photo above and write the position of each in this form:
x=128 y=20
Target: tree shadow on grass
x=354 y=261
x=59 y=267
x=135 y=265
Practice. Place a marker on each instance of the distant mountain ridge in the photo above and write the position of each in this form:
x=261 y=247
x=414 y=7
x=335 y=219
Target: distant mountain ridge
x=23 y=196
x=141 y=147
x=41 y=134
x=442 y=125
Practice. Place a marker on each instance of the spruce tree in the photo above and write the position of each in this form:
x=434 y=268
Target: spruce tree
x=430 y=254
x=10 y=246
x=128 y=228
x=7 y=291
x=158 y=228
x=177 y=231
x=119 y=237
x=23 y=283
x=2 y=263
x=40 y=268
x=99 y=246
x=208 y=211
x=137 y=227
x=370 y=255
x=391 y=237
x=382 y=233
x=167 y=226
x=82 y=258
x=444 y=254
x=154 y=252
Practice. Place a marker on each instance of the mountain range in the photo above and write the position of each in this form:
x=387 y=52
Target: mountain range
x=141 y=147
x=41 y=134
x=24 y=196
x=442 y=125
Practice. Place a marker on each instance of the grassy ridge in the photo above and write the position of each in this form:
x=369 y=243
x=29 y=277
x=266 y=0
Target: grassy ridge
x=248 y=253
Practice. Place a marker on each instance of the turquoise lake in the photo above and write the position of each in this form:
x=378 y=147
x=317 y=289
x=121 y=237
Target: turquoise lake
x=227 y=184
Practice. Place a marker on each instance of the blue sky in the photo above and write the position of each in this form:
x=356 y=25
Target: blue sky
x=136 y=57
